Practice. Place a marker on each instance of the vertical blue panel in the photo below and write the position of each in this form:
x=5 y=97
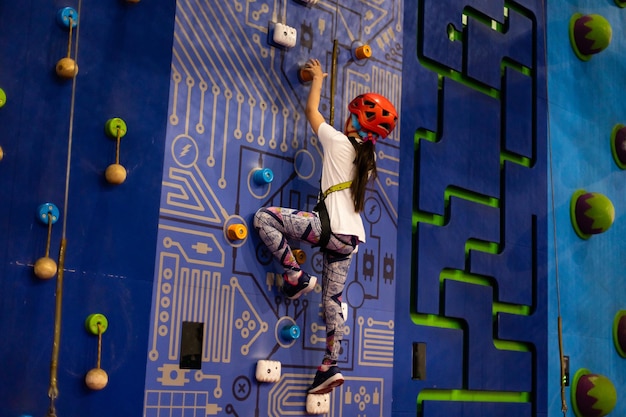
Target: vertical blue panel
x=473 y=234
x=585 y=100
x=124 y=55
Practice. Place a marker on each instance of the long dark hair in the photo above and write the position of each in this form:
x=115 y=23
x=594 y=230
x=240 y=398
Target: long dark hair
x=365 y=163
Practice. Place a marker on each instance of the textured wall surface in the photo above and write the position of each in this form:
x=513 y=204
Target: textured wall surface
x=586 y=103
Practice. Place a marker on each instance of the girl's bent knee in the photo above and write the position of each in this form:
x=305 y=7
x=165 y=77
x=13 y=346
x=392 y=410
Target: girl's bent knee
x=260 y=213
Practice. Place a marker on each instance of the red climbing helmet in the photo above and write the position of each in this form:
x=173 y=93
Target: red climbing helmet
x=375 y=113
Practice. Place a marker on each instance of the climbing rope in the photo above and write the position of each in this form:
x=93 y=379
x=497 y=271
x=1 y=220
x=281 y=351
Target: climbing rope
x=53 y=389
x=555 y=243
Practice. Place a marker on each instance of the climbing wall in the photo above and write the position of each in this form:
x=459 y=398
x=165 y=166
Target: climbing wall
x=586 y=274
x=445 y=306
x=236 y=116
x=471 y=286
x=55 y=150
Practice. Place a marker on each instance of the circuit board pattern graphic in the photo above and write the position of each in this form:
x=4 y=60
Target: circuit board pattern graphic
x=474 y=320
x=236 y=106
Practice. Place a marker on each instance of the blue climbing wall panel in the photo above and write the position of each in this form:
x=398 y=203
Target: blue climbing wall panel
x=124 y=56
x=471 y=281
x=585 y=105
x=236 y=106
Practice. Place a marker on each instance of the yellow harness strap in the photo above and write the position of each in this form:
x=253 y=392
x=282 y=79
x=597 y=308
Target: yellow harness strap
x=337 y=187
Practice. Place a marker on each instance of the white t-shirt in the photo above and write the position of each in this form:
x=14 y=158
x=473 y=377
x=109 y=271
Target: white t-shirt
x=337 y=167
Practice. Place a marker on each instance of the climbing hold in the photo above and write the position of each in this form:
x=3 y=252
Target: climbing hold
x=96 y=323
x=318 y=403
x=48 y=213
x=3 y=97
x=304 y=75
x=362 y=52
x=619 y=332
x=66 y=68
x=268 y=371
x=97 y=378
x=237 y=231
x=290 y=332
x=589 y=34
x=618 y=145
x=67 y=16
x=300 y=256
x=116 y=129
x=591 y=213
x=45 y=267
x=593 y=395
x=115 y=174
x=263 y=176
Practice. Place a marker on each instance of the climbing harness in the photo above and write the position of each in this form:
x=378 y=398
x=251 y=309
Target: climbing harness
x=322 y=211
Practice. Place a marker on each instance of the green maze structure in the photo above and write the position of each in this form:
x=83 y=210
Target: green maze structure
x=473 y=300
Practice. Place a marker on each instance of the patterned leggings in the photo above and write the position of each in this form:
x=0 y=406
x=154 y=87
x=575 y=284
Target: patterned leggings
x=275 y=225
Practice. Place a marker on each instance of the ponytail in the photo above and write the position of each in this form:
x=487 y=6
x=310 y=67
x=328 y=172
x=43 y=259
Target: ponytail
x=365 y=163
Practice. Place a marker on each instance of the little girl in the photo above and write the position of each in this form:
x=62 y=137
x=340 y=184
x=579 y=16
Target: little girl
x=335 y=225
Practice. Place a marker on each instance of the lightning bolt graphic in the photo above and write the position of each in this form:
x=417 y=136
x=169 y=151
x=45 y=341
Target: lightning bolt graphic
x=184 y=151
